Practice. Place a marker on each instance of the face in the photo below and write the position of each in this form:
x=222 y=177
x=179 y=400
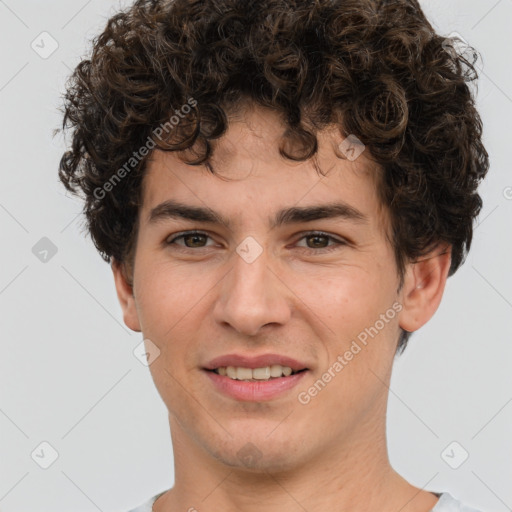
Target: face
x=320 y=290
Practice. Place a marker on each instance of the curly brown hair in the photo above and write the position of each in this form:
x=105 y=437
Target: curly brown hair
x=374 y=68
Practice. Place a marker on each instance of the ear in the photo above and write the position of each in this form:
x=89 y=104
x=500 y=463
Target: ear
x=124 y=288
x=423 y=287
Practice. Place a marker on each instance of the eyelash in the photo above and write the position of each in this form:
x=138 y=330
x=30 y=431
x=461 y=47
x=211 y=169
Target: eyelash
x=338 y=242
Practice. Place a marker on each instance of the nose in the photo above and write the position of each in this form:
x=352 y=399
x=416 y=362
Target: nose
x=252 y=295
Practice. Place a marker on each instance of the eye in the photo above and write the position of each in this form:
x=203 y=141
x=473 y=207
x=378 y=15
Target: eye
x=193 y=236
x=320 y=247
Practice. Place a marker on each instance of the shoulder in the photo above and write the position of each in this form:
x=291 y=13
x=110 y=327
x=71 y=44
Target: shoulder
x=147 y=506
x=447 y=503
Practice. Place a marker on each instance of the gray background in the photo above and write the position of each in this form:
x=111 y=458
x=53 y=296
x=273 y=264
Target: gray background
x=67 y=372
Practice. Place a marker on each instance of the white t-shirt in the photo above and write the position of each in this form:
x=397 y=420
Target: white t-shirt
x=446 y=503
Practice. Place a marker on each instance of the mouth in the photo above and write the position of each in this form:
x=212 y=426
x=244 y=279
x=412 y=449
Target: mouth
x=263 y=374
x=260 y=378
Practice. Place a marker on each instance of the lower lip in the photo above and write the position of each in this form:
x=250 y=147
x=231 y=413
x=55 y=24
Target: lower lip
x=256 y=391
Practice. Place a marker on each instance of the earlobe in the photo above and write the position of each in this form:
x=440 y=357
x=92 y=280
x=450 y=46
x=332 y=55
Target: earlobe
x=125 y=295
x=423 y=288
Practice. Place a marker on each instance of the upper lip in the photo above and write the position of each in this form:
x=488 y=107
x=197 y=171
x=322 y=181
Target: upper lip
x=252 y=362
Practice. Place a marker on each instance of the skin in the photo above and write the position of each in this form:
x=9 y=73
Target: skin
x=198 y=302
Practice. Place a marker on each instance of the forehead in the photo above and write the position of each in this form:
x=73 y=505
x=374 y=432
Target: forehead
x=251 y=177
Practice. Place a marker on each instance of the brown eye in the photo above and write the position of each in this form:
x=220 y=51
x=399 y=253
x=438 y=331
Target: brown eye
x=316 y=238
x=192 y=239
x=318 y=242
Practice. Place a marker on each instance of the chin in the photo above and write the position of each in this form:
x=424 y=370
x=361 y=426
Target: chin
x=259 y=454
x=267 y=463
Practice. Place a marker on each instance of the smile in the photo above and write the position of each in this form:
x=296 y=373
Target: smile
x=254 y=389
x=255 y=374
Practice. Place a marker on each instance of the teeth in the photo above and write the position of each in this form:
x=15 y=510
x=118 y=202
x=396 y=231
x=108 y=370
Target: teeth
x=265 y=373
x=261 y=373
x=276 y=370
x=243 y=373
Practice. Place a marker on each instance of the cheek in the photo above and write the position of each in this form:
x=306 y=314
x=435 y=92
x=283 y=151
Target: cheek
x=359 y=343
x=169 y=303
x=345 y=298
x=167 y=291
x=355 y=305
x=170 y=300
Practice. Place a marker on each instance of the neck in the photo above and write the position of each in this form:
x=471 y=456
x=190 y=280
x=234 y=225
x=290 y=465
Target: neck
x=353 y=475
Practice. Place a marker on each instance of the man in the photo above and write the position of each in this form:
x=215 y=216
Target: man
x=282 y=189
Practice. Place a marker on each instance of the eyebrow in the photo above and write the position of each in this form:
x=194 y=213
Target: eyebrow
x=296 y=214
